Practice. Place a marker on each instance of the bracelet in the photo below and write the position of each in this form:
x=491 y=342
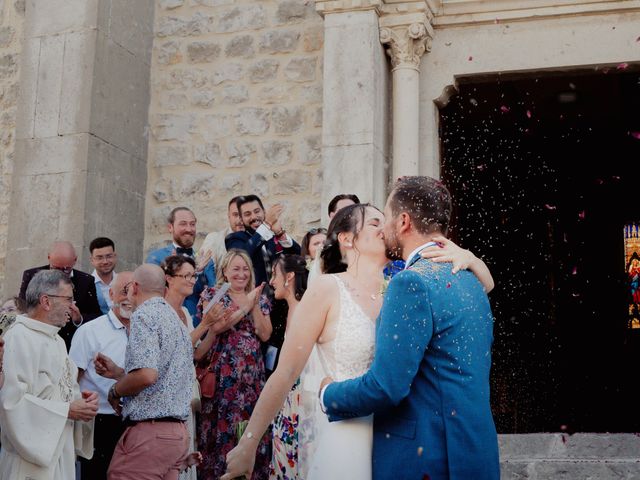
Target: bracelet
x=113 y=392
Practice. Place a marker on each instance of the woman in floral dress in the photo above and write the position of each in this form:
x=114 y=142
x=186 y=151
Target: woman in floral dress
x=238 y=365
x=289 y=282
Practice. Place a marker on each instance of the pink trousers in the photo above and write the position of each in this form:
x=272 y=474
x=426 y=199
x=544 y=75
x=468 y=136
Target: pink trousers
x=150 y=450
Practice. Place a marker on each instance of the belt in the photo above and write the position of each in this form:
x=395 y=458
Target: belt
x=130 y=423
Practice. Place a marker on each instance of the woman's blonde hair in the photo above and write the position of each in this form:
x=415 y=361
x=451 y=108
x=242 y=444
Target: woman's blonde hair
x=227 y=259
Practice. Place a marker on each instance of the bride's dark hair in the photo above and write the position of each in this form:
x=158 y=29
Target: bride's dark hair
x=347 y=219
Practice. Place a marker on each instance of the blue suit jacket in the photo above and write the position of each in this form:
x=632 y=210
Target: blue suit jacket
x=207 y=278
x=428 y=384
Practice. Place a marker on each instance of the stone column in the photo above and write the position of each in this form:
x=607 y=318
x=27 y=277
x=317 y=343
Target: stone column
x=355 y=102
x=80 y=160
x=408 y=37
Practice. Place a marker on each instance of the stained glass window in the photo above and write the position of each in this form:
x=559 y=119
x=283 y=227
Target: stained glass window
x=632 y=263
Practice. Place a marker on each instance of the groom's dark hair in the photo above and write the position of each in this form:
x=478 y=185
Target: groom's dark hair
x=426 y=200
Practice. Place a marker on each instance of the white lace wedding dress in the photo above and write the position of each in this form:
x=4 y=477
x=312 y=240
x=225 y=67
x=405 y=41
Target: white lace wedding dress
x=342 y=450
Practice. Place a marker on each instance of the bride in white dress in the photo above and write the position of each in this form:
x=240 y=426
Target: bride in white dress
x=337 y=312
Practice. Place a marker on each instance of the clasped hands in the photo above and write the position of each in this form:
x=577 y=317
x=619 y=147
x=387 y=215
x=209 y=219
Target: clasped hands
x=84 y=408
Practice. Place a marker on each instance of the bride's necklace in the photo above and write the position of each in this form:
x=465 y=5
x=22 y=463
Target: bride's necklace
x=366 y=291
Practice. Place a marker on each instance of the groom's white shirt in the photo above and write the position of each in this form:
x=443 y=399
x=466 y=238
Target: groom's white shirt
x=416 y=251
x=407 y=263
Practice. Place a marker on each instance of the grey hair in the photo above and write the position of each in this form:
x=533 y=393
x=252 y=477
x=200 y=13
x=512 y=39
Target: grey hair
x=44 y=282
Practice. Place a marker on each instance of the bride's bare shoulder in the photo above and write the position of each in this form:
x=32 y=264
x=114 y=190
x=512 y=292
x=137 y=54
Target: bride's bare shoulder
x=322 y=286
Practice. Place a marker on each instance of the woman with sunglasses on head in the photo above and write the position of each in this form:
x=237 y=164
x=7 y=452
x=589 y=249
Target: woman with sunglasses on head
x=231 y=349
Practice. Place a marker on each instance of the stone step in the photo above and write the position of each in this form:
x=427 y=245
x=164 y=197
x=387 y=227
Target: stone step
x=581 y=456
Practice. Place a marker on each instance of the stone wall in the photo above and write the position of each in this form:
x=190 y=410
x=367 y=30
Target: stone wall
x=236 y=108
x=11 y=22
x=80 y=145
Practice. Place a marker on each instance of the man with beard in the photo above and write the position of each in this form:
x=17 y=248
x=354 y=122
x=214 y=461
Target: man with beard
x=264 y=238
x=428 y=384
x=46 y=421
x=215 y=240
x=106 y=335
x=182 y=227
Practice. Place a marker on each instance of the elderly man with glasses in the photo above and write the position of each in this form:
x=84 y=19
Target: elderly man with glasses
x=62 y=256
x=45 y=420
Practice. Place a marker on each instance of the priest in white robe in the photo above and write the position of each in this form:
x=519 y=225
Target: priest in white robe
x=45 y=420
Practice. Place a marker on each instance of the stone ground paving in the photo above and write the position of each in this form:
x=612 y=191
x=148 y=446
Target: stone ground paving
x=581 y=456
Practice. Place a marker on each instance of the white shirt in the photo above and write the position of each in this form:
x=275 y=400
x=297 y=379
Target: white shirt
x=102 y=289
x=267 y=234
x=214 y=241
x=107 y=335
x=416 y=251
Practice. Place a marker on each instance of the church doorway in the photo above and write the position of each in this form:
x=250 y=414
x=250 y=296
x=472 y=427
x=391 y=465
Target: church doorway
x=544 y=170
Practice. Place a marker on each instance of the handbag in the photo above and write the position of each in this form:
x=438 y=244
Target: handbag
x=207 y=380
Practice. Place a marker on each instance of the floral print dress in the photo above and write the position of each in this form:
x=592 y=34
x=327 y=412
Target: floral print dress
x=239 y=368
x=284 y=464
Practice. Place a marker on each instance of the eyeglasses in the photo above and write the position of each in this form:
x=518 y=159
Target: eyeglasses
x=187 y=276
x=68 y=298
x=125 y=289
x=100 y=258
x=66 y=270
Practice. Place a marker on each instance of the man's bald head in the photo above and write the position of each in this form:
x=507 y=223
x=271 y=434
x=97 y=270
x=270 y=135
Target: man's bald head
x=150 y=278
x=62 y=256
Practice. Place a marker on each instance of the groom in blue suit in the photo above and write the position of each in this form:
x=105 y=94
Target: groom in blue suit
x=428 y=384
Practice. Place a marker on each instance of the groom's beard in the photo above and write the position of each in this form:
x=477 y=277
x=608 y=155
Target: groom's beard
x=393 y=250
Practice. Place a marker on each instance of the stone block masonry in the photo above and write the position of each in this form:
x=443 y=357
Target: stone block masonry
x=236 y=108
x=11 y=26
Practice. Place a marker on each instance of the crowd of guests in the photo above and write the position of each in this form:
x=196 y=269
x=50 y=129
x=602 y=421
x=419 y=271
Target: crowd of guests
x=122 y=350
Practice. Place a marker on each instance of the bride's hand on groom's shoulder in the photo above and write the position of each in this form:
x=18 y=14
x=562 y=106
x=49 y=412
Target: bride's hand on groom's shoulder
x=448 y=251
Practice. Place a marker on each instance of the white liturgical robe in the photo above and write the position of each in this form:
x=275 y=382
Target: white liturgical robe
x=39 y=442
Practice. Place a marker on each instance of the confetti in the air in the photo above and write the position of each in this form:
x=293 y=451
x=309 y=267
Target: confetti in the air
x=504 y=109
x=622 y=66
x=549 y=207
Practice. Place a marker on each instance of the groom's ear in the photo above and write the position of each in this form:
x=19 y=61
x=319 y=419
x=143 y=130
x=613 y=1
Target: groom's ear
x=404 y=222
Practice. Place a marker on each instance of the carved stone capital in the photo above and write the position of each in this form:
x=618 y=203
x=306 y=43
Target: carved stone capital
x=406 y=43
